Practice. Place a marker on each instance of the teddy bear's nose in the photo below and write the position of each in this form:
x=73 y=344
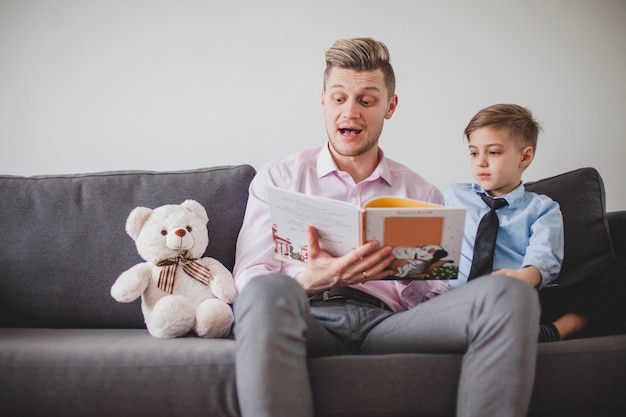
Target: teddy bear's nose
x=180 y=232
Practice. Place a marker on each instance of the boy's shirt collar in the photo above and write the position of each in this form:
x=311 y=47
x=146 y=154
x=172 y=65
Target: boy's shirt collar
x=512 y=198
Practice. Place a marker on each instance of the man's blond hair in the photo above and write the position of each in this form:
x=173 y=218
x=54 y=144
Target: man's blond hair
x=361 y=54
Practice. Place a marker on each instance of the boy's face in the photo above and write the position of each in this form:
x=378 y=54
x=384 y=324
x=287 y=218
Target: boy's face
x=356 y=104
x=497 y=162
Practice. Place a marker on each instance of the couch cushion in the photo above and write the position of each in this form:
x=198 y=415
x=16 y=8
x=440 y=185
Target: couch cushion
x=580 y=194
x=64 y=240
x=103 y=372
x=581 y=374
x=120 y=372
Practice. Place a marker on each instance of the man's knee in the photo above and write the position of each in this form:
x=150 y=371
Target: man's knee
x=513 y=295
x=269 y=291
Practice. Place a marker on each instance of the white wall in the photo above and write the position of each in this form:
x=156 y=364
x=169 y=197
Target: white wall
x=165 y=85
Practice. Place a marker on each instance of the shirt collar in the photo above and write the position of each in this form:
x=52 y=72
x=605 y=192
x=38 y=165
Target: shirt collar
x=510 y=198
x=326 y=165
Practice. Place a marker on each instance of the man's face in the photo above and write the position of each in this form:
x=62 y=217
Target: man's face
x=355 y=103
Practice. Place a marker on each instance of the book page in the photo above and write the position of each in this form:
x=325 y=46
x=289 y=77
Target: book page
x=337 y=224
x=427 y=241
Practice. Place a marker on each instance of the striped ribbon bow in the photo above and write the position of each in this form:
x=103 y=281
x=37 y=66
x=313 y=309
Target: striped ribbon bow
x=194 y=269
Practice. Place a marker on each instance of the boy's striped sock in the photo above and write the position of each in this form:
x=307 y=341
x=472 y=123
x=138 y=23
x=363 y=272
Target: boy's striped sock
x=548 y=333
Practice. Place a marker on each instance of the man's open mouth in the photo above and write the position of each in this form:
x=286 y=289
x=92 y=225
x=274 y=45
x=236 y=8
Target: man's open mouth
x=345 y=131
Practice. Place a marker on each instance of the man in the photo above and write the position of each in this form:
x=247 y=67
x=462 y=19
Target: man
x=286 y=313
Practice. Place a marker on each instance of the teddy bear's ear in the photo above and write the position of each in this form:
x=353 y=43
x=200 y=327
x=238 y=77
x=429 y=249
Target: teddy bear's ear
x=136 y=219
x=197 y=209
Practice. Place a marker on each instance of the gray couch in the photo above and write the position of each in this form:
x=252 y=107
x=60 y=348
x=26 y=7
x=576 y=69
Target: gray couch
x=68 y=349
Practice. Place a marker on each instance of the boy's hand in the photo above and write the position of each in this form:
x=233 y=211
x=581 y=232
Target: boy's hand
x=323 y=271
x=528 y=274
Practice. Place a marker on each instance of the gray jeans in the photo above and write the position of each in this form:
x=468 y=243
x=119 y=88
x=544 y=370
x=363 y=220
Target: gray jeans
x=492 y=320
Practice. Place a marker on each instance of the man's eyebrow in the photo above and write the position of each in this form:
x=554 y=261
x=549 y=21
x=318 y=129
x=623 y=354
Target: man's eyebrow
x=369 y=87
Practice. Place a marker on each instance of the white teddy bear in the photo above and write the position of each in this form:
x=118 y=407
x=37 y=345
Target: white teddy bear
x=180 y=291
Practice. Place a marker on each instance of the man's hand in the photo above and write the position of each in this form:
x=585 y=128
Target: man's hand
x=529 y=275
x=323 y=271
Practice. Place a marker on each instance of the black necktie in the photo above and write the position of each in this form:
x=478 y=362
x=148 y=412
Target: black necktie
x=485 y=244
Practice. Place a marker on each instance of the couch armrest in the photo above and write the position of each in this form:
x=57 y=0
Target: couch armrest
x=617 y=226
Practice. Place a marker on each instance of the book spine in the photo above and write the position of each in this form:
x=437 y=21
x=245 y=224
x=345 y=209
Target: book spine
x=363 y=224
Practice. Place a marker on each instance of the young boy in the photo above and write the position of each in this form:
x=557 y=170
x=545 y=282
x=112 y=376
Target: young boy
x=529 y=243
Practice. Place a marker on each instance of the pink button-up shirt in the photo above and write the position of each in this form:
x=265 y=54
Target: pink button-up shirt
x=314 y=171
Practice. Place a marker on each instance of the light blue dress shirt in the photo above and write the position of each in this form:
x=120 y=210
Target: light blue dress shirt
x=530 y=232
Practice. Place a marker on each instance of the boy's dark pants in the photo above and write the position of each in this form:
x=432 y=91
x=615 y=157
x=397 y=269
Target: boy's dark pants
x=601 y=299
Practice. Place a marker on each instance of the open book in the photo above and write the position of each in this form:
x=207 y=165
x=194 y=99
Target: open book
x=426 y=237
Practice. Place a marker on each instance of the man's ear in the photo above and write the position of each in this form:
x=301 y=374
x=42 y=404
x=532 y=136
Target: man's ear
x=528 y=154
x=391 y=108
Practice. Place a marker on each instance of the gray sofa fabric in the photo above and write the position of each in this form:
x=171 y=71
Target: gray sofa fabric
x=588 y=247
x=67 y=348
x=127 y=372
x=65 y=243
x=114 y=372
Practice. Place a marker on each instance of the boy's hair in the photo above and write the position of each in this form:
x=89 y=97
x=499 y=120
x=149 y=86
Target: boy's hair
x=517 y=120
x=361 y=54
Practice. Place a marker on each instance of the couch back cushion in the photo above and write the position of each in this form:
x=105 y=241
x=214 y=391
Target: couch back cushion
x=588 y=249
x=64 y=241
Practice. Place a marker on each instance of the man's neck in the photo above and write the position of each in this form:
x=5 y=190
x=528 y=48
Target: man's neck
x=359 y=167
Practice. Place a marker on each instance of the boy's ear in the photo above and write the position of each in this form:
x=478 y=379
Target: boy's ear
x=528 y=154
